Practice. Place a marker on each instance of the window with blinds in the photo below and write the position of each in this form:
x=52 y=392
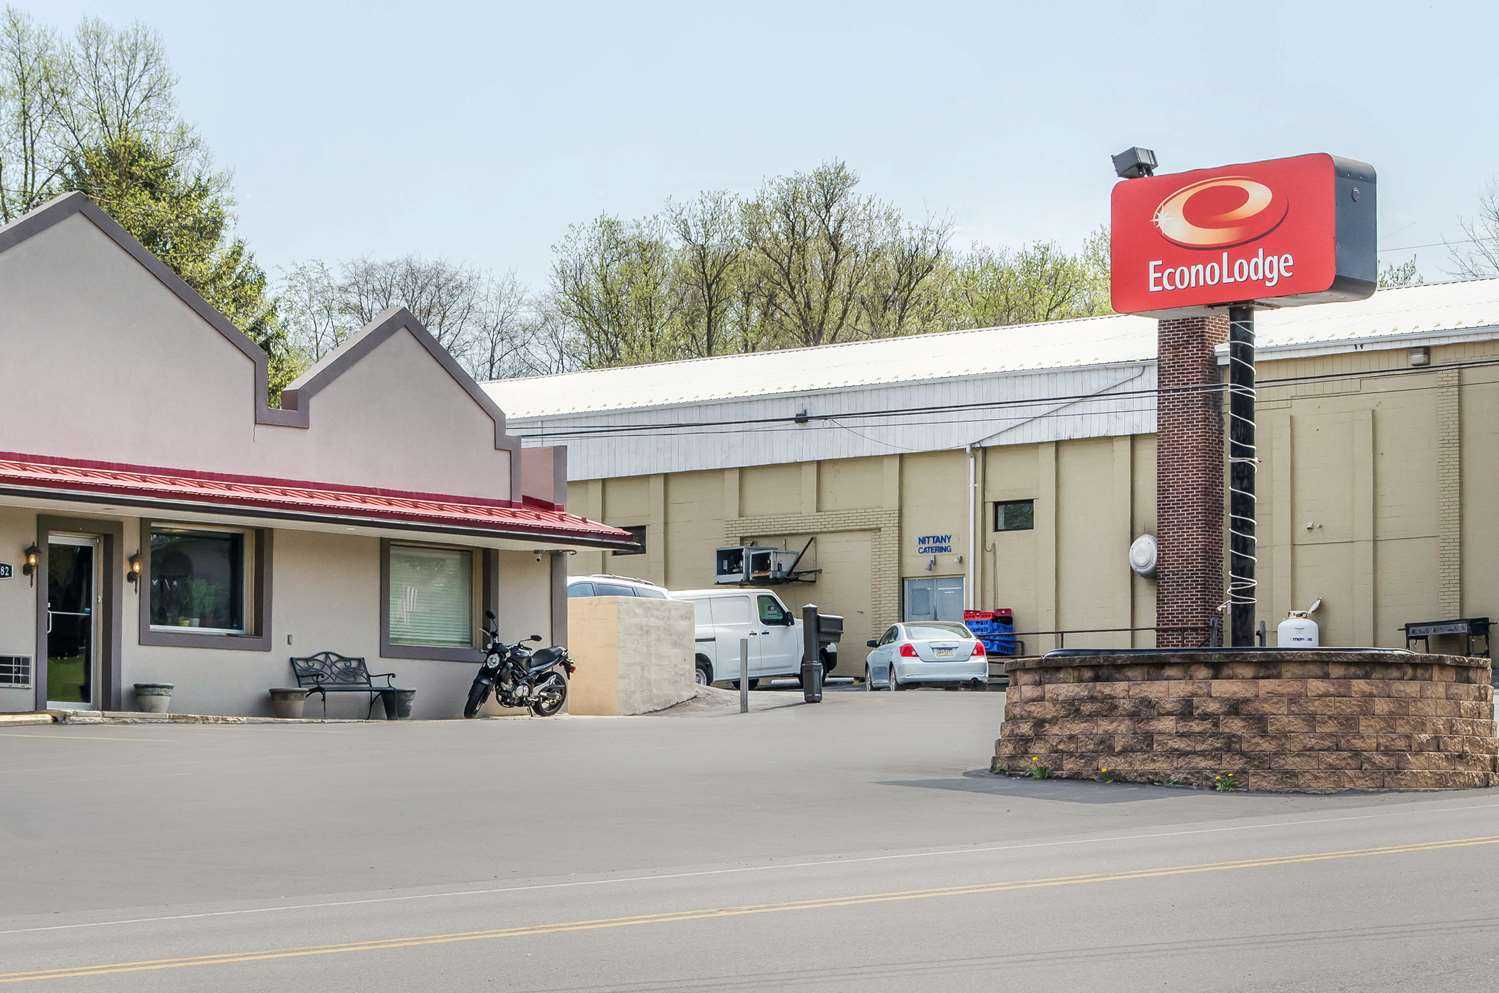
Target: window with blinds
x=431 y=596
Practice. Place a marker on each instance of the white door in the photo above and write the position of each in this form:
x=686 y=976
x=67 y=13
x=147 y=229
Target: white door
x=731 y=623
x=780 y=640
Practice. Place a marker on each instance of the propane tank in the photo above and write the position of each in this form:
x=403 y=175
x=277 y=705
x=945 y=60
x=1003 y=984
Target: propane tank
x=1298 y=630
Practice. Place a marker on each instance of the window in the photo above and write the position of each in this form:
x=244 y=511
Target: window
x=653 y=592
x=637 y=532
x=1014 y=515
x=204 y=586
x=771 y=612
x=430 y=596
x=927 y=630
x=613 y=589
x=579 y=589
x=199 y=579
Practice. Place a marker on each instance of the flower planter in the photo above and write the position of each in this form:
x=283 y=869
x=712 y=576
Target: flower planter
x=153 y=698
x=398 y=704
x=288 y=701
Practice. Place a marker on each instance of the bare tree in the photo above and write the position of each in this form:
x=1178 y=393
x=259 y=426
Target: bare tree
x=447 y=298
x=501 y=344
x=1477 y=255
x=117 y=84
x=33 y=145
x=310 y=307
x=710 y=248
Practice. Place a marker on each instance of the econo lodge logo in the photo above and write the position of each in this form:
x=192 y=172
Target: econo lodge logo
x=1220 y=213
x=1205 y=215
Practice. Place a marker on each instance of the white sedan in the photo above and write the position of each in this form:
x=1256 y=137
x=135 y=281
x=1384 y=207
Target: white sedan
x=918 y=652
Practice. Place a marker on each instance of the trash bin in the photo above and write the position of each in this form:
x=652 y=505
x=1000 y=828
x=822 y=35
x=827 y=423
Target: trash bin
x=812 y=682
x=398 y=704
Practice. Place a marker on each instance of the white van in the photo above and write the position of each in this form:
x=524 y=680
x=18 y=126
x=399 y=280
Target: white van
x=726 y=615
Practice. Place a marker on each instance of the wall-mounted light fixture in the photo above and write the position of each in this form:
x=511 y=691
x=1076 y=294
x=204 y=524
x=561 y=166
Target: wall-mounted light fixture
x=133 y=570
x=29 y=561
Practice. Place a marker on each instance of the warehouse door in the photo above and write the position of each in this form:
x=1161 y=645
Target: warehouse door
x=846 y=559
x=939 y=598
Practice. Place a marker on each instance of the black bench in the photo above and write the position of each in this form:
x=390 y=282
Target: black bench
x=330 y=672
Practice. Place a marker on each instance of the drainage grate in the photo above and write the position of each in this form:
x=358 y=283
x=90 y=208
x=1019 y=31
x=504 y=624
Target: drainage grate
x=15 y=672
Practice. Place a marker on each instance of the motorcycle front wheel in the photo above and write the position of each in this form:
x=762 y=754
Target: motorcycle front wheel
x=477 y=694
x=550 y=695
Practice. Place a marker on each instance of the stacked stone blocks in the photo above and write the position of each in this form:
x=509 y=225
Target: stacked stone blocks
x=1294 y=721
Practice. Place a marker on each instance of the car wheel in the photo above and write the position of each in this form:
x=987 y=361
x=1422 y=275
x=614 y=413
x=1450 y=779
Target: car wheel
x=703 y=676
x=894 y=680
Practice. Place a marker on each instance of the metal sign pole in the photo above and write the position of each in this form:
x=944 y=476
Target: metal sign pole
x=1242 y=462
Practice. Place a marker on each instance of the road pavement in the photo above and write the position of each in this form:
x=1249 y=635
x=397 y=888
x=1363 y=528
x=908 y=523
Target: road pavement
x=856 y=845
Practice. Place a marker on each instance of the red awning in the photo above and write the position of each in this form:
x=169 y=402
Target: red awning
x=293 y=499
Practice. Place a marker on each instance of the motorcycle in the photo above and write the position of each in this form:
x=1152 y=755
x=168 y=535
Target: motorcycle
x=518 y=676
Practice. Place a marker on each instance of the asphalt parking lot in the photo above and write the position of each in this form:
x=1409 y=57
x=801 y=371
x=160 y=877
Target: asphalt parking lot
x=855 y=845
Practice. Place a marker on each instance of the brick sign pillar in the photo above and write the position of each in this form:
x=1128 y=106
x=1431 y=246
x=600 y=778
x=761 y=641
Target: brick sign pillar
x=1188 y=479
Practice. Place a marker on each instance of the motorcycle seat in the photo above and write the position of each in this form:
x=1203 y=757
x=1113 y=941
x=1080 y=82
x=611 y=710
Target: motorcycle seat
x=543 y=658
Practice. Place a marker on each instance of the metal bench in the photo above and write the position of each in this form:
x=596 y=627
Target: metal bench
x=330 y=672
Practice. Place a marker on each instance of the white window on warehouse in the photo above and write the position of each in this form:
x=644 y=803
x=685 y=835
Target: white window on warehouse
x=428 y=602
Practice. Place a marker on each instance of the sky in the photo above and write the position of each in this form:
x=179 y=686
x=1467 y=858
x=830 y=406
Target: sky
x=477 y=131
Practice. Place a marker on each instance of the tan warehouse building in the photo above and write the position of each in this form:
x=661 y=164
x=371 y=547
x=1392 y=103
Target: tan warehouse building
x=1013 y=467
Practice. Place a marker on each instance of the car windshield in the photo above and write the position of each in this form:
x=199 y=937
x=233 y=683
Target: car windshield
x=926 y=630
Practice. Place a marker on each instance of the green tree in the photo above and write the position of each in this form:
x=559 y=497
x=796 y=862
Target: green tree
x=182 y=216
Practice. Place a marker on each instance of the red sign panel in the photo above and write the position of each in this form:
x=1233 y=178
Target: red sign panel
x=1281 y=232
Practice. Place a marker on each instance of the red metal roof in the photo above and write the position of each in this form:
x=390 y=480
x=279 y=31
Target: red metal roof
x=294 y=498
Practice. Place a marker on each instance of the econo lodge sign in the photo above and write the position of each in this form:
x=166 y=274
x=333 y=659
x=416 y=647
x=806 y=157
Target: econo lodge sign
x=1281 y=232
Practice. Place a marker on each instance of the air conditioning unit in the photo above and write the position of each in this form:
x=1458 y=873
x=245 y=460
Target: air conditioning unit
x=770 y=564
x=752 y=564
x=731 y=565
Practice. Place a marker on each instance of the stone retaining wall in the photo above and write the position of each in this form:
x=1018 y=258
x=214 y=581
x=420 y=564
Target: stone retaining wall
x=1275 y=720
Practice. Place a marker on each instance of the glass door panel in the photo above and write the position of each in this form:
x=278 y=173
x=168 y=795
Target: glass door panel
x=71 y=625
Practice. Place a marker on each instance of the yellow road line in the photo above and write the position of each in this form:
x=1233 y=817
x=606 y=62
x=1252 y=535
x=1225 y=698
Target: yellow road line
x=672 y=917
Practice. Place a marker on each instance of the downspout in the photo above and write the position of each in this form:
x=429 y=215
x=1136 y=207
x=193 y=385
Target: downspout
x=968 y=573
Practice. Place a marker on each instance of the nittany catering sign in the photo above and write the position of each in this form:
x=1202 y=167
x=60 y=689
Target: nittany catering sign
x=1280 y=233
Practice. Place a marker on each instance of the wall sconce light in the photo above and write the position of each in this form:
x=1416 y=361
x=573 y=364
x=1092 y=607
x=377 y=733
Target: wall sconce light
x=133 y=570
x=30 y=558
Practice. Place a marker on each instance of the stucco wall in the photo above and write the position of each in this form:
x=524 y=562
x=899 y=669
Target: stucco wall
x=17 y=601
x=325 y=596
x=150 y=382
x=634 y=655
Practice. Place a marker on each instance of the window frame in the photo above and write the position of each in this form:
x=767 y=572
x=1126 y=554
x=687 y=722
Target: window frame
x=487 y=589
x=256 y=636
x=999 y=504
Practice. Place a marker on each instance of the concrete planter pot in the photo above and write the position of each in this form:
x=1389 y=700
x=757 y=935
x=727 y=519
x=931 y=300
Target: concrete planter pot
x=288 y=701
x=153 y=698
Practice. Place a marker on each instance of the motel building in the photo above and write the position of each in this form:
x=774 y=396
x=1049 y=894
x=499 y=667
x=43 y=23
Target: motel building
x=160 y=523
x=1014 y=467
